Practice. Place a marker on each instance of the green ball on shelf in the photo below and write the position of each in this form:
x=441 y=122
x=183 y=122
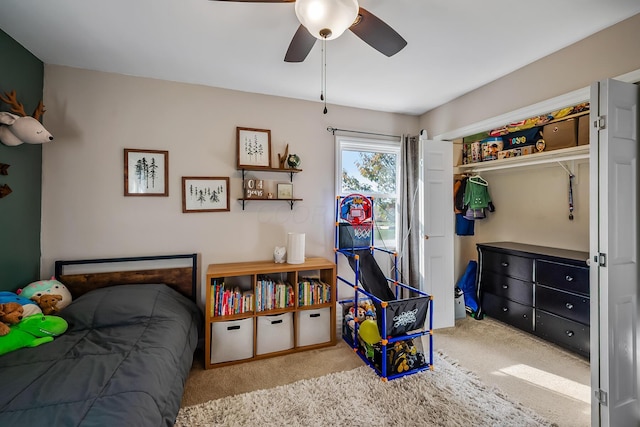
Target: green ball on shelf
x=293 y=161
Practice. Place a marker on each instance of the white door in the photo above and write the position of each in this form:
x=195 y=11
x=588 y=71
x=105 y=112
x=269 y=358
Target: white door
x=614 y=254
x=437 y=216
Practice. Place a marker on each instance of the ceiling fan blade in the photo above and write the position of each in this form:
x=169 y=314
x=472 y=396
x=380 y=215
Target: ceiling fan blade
x=300 y=45
x=377 y=34
x=259 y=1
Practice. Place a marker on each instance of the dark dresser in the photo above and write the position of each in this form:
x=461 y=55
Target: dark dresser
x=541 y=290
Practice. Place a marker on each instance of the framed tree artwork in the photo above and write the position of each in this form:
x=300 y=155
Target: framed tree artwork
x=146 y=172
x=205 y=194
x=254 y=148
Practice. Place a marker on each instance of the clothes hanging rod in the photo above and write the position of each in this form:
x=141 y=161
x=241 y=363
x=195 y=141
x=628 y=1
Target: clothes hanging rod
x=334 y=130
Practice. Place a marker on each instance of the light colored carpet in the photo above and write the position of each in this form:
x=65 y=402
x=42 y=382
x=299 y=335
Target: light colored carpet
x=448 y=396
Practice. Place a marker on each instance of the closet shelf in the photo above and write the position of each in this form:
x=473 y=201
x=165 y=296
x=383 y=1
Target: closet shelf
x=565 y=154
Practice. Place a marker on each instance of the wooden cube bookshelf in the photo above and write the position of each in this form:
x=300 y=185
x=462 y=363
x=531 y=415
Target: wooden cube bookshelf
x=246 y=276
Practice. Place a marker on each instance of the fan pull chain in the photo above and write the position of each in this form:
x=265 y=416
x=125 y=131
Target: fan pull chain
x=323 y=89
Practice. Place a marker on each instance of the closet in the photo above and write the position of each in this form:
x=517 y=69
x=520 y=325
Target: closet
x=533 y=194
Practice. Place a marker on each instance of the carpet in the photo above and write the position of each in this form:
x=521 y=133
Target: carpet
x=447 y=396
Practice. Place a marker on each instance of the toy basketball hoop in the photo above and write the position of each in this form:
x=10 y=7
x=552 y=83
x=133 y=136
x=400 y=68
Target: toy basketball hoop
x=356 y=211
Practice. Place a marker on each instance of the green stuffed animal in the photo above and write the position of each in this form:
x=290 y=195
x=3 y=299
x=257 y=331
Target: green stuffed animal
x=32 y=331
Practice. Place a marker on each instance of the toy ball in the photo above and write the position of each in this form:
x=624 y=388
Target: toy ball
x=369 y=332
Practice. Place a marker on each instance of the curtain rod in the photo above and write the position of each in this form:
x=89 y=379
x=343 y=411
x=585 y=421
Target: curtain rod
x=334 y=130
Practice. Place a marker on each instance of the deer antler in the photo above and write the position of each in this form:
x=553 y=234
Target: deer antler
x=39 y=111
x=12 y=100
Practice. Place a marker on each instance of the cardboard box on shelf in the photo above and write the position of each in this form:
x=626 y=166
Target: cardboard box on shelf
x=562 y=134
x=515 y=152
x=583 y=130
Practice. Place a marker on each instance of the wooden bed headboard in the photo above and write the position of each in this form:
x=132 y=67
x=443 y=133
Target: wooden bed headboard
x=81 y=276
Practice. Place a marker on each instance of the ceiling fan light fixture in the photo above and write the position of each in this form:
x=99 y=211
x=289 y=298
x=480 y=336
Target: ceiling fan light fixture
x=326 y=19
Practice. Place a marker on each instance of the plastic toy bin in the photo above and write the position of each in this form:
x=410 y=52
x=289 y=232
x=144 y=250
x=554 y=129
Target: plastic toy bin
x=314 y=326
x=231 y=340
x=274 y=333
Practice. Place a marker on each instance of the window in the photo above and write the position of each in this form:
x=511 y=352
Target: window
x=372 y=168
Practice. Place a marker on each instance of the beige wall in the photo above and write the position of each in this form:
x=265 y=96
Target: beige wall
x=609 y=53
x=532 y=203
x=94 y=116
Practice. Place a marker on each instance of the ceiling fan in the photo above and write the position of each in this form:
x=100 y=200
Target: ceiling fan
x=328 y=19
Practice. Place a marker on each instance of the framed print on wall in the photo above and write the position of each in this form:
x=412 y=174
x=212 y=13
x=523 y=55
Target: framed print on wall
x=205 y=194
x=146 y=172
x=285 y=191
x=254 y=148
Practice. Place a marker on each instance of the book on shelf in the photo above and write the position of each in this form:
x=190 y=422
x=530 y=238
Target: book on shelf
x=273 y=294
x=226 y=302
x=313 y=291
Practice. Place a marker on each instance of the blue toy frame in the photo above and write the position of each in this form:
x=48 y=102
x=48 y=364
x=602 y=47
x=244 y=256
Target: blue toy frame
x=361 y=293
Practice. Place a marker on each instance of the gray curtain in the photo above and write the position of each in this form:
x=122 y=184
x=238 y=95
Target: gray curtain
x=409 y=244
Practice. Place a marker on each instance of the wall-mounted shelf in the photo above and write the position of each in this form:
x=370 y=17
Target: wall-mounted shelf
x=562 y=155
x=263 y=169
x=290 y=171
x=290 y=201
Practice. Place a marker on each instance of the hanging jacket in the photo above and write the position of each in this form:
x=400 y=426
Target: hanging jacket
x=459 y=188
x=476 y=196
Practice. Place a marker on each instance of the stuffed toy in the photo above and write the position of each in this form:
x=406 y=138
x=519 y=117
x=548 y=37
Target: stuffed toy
x=29 y=307
x=278 y=254
x=11 y=313
x=50 y=287
x=19 y=128
x=32 y=331
x=47 y=303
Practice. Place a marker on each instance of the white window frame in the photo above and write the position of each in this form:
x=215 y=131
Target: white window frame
x=347 y=143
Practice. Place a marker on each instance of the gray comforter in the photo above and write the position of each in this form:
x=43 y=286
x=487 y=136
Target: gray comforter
x=122 y=362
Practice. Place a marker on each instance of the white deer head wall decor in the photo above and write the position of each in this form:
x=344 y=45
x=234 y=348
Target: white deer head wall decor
x=19 y=128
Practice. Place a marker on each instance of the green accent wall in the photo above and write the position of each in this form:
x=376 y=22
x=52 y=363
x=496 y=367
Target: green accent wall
x=20 y=211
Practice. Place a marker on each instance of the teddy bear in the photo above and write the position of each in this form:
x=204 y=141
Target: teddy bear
x=47 y=287
x=47 y=302
x=10 y=314
x=29 y=307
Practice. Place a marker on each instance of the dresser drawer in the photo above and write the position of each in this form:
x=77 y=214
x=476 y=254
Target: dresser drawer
x=513 y=313
x=508 y=287
x=564 y=304
x=563 y=276
x=564 y=332
x=509 y=265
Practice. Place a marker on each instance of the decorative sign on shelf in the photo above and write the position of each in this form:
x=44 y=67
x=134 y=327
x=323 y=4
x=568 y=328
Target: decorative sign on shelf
x=254 y=189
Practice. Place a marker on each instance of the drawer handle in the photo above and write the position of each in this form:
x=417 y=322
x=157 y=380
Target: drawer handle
x=505 y=286
x=504 y=264
x=505 y=309
x=275 y=322
x=569 y=333
x=233 y=328
x=314 y=315
x=568 y=278
x=569 y=305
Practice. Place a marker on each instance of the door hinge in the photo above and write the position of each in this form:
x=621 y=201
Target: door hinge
x=601 y=259
x=600 y=123
x=601 y=396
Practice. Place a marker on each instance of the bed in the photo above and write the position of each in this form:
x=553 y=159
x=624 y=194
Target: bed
x=125 y=356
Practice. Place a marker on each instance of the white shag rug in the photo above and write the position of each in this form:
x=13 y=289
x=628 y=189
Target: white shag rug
x=447 y=396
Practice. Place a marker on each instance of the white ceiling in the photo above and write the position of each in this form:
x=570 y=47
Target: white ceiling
x=454 y=46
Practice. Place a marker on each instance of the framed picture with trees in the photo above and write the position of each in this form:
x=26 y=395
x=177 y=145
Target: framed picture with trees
x=254 y=148
x=205 y=194
x=146 y=172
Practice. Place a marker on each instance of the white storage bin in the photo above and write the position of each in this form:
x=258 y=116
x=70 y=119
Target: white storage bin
x=231 y=340
x=314 y=326
x=274 y=333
